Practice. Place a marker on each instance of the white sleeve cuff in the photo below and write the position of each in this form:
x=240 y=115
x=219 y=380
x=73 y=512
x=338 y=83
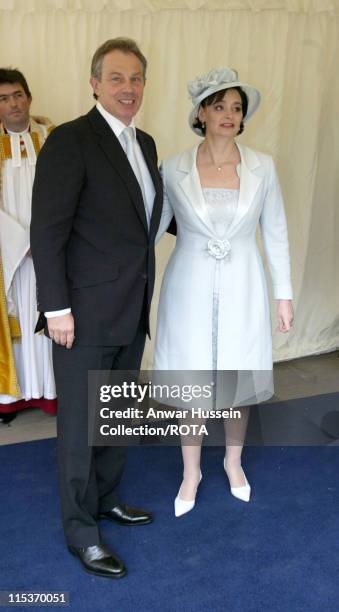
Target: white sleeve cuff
x=283 y=292
x=57 y=313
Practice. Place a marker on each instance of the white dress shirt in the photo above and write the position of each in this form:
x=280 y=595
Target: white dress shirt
x=118 y=127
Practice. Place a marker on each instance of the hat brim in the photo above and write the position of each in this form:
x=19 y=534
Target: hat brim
x=253 y=96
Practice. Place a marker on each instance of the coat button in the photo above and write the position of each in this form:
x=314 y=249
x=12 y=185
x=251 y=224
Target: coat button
x=144 y=276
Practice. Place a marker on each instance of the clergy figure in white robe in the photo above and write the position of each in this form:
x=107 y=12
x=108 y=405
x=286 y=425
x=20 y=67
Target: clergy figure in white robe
x=21 y=138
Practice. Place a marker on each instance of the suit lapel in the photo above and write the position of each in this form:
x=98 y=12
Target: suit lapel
x=156 y=178
x=152 y=167
x=115 y=154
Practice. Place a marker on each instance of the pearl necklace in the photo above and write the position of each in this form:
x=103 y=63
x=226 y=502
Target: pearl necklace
x=237 y=166
x=221 y=164
x=219 y=168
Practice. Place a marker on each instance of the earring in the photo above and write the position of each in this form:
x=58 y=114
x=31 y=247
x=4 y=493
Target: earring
x=203 y=125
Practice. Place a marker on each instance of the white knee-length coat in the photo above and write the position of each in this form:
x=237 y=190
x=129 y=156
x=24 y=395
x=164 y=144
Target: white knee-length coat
x=201 y=259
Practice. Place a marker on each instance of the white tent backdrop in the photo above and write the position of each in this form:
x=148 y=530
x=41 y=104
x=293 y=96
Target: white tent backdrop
x=289 y=49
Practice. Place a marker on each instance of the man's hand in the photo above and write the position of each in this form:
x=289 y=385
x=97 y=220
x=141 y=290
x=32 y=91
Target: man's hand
x=285 y=315
x=61 y=329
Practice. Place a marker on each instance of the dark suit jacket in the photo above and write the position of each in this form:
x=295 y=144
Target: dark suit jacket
x=89 y=238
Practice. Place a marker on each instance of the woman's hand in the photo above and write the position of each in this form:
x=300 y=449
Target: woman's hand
x=285 y=315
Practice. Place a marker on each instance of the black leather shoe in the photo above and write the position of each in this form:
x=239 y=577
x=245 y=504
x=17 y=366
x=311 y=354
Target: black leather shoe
x=127 y=515
x=100 y=561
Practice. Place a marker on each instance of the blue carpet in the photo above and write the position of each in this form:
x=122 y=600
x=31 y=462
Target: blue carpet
x=280 y=552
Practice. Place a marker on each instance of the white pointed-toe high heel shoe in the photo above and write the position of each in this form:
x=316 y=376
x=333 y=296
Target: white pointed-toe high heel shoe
x=243 y=493
x=181 y=506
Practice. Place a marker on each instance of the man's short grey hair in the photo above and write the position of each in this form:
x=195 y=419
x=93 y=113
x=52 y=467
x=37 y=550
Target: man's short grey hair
x=126 y=45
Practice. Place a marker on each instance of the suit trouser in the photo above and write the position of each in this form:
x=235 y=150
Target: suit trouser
x=88 y=476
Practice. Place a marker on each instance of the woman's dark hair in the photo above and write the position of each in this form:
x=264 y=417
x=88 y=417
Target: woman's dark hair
x=217 y=97
x=12 y=75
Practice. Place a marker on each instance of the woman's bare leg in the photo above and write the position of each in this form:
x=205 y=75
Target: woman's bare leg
x=235 y=432
x=191 y=453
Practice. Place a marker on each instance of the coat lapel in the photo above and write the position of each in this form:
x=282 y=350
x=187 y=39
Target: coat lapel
x=191 y=186
x=249 y=184
x=117 y=158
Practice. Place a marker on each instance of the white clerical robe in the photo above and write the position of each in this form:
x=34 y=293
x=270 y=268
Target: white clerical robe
x=33 y=353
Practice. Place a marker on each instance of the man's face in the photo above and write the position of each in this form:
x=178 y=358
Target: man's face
x=14 y=107
x=121 y=87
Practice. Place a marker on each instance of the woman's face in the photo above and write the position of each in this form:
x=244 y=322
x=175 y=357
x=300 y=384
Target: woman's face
x=223 y=118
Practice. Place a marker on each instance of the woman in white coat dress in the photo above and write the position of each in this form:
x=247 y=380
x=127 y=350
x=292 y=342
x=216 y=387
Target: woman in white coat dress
x=214 y=309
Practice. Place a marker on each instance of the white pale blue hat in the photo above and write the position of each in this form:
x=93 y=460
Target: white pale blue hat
x=214 y=81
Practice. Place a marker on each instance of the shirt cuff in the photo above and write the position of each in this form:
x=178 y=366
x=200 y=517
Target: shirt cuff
x=57 y=313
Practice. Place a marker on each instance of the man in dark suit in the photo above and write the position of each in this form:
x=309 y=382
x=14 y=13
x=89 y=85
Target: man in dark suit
x=97 y=202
